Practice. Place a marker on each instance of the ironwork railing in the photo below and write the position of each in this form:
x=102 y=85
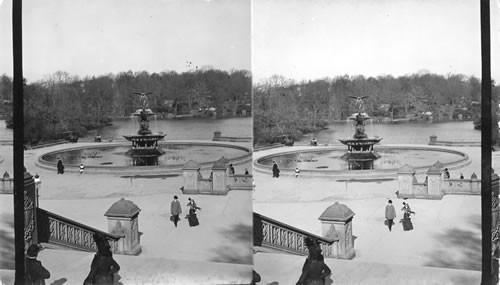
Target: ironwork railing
x=269 y=233
x=55 y=229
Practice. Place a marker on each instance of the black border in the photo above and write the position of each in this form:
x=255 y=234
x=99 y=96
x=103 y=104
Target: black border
x=18 y=118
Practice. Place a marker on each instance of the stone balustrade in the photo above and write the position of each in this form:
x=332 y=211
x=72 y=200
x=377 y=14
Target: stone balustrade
x=219 y=182
x=336 y=240
x=55 y=229
x=435 y=186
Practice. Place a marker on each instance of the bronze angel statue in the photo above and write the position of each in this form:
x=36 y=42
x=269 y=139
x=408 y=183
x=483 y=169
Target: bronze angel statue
x=359 y=103
x=143 y=98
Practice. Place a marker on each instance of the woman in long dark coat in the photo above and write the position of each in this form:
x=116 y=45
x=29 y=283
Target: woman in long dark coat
x=60 y=167
x=314 y=270
x=276 y=171
x=407 y=224
x=192 y=218
x=103 y=267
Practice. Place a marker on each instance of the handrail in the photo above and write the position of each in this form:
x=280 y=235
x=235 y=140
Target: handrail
x=273 y=234
x=56 y=229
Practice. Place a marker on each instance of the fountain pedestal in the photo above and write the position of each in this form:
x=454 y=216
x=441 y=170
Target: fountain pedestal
x=145 y=149
x=360 y=154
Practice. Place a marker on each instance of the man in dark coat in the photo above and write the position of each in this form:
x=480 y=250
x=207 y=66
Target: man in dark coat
x=390 y=214
x=35 y=272
x=276 y=171
x=175 y=210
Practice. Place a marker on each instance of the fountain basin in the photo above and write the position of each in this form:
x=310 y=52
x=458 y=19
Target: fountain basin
x=111 y=158
x=327 y=161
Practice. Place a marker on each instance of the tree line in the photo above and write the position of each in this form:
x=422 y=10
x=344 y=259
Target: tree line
x=62 y=103
x=284 y=106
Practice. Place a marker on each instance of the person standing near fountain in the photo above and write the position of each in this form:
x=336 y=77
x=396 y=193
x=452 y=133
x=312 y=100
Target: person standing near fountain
x=60 y=167
x=276 y=170
x=390 y=214
x=175 y=210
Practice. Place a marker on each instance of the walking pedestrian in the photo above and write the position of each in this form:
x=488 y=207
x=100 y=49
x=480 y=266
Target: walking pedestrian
x=390 y=214
x=60 y=167
x=461 y=176
x=231 y=169
x=407 y=224
x=103 y=267
x=297 y=171
x=276 y=170
x=246 y=171
x=175 y=210
x=81 y=168
x=314 y=270
x=192 y=218
x=35 y=273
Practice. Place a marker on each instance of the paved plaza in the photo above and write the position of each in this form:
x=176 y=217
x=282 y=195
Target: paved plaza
x=220 y=247
x=446 y=240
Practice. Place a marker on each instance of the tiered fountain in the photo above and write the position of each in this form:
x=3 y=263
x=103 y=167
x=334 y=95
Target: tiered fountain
x=360 y=153
x=145 y=149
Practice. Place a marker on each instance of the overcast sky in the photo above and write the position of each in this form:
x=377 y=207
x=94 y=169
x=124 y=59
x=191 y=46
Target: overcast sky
x=96 y=37
x=303 y=39
x=299 y=39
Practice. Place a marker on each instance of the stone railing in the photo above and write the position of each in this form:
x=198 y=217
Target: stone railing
x=58 y=230
x=462 y=186
x=269 y=233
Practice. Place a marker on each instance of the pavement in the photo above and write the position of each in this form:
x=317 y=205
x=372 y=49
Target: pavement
x=221 y=245
x=446 y=240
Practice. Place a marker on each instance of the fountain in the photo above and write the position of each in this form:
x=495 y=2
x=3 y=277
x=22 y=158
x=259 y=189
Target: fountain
x=360 y=153
x=145 y=149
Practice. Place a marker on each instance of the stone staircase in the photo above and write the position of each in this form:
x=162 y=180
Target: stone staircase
x=286 y=269
x=71 y=267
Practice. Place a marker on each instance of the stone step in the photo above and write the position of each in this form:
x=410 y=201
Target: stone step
x=74 y=266
x=286 y=269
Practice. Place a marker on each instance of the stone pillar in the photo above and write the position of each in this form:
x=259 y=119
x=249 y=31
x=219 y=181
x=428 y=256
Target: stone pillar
x=217 y=135
x=190 y=171
x=336 y=222
x=432 y=139
x=434 y=181
x=219 y=176
x=405 y=177
x=123 y=219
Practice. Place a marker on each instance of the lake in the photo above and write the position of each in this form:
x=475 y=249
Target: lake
x=401 y=133
x=187 y=129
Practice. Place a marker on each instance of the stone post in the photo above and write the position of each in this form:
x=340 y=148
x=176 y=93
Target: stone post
x=405 y=177
x=219 y=176
x=217 y=135
x=432 y=139
x=123 y=219
x=336 y=222
x=434 y=181
x=190 y=171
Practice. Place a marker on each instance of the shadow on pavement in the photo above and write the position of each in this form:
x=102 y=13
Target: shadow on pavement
x=240 y=249
x=7 y=250
x=460 y=249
